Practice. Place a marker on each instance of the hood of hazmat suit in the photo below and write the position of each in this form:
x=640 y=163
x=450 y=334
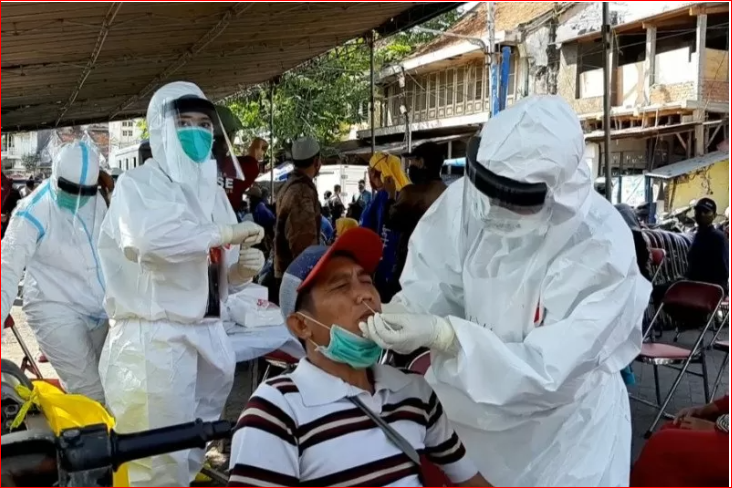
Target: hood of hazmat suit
x=539 y=279
x=167 y=359
x=53 y=237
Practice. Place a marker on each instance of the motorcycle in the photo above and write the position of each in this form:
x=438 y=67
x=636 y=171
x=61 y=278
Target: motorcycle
x=34 y=455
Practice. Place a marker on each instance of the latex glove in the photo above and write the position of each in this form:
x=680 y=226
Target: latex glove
x=251 y=262
x=246 y=234
x=405 y=333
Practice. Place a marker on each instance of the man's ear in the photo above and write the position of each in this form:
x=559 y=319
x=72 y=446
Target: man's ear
x=298 y=327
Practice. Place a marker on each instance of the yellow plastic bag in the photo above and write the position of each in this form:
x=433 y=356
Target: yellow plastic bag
x=64 y=411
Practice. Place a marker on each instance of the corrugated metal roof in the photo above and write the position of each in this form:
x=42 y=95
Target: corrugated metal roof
x=76 y=63
x=689 y=166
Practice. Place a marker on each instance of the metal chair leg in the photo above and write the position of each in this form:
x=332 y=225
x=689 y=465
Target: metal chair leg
x=720 y=375
x=657 y=380
x=705 y=376
x=28 y=364
x=662 y=408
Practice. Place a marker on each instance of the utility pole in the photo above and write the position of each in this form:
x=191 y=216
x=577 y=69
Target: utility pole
x=372 y=42
x=607 y=47
x=489 y=50
x=405 y=109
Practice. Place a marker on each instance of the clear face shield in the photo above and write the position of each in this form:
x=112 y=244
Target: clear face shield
x=190 y=158
x=499 y=205
x=74 y=186
x=191 y=126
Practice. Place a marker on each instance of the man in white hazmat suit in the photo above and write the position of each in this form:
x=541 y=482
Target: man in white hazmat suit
x=531 y=302
x=52 y=236
x=170 y=247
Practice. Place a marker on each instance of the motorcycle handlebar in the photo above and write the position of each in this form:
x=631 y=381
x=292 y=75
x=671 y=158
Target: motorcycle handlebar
x=36 y=458
x=87 y=449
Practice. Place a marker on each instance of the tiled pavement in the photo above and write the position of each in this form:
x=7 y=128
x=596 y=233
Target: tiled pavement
x=690 y=391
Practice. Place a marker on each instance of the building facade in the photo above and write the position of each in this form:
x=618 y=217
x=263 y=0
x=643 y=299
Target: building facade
x=669 y=99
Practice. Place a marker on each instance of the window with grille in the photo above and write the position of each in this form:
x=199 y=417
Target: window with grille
x=460 y=86
x=450 y=86
x=433 y=91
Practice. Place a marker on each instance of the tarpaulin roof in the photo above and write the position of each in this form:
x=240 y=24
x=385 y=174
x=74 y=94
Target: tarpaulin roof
x=74 y=63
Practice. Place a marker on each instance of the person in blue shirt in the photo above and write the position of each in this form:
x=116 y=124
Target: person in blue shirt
x=326 y=230
x=709 y=253
x=263 y=216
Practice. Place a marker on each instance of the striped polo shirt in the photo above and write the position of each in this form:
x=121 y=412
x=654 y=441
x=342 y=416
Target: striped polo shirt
x=301 y=430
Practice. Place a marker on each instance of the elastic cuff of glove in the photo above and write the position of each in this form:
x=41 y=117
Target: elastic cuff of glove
x=227 y=234
x=446 y=341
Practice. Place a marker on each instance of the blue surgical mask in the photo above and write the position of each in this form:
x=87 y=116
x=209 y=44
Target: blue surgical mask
x=69 y=201
x=196 y=143
x=348 y=348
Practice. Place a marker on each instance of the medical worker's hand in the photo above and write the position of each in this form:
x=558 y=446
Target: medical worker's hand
x=246 y=234
x=251 y=262
x=405 y=333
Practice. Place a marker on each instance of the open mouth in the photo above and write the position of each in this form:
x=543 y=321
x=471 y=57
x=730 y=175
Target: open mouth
x=366 y=316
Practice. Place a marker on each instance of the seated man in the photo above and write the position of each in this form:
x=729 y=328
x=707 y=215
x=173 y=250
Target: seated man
x=302 y=428
x=691 y=451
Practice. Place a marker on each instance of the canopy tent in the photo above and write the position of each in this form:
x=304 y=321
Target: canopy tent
x=75 y=63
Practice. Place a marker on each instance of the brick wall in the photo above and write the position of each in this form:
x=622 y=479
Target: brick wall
x=715 y=91
x=567 y=83
x=673 y=93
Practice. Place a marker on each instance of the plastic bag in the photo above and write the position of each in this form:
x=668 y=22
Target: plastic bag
x=64 y=411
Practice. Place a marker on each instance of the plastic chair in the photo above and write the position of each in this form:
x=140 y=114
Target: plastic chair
x=278 y=360
x=28 y=364
x=421 y=364
x=695 y=306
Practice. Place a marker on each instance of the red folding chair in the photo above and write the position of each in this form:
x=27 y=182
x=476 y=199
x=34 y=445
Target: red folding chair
x=421 y=364
x=278 y=361
x=28 y=364
x=694 y=306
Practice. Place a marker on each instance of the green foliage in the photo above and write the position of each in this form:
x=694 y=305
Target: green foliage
x=142 y=125
x=31 y=162
x=327 y=95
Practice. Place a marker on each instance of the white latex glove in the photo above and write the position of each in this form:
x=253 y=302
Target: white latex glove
x=246 y=234
x=405 y=333
x=251 y=262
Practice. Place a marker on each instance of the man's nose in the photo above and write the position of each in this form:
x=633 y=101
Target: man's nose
x=365 y=294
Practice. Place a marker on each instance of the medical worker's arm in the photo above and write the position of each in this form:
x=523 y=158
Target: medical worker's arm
x=157 y=227
x=594 y=298
x=432 y=277
x=18 y=248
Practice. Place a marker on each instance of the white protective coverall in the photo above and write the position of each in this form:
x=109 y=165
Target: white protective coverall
x=63 y=294
x=164 y=363
x=543 y=322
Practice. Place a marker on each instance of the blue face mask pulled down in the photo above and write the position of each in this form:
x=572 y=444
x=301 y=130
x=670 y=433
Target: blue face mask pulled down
x=196 y=143
x=345 y=347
